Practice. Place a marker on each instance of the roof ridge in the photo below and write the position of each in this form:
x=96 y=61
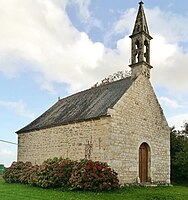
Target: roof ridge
x=94 y=88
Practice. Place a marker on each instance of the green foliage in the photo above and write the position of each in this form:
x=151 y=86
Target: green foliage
x=32 y=177
x=2 y=168
x=54 y=173
x=179 y=155
x=64 y=173
x=93 y=176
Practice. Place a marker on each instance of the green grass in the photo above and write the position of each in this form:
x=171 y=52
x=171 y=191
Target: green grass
x=24 y=192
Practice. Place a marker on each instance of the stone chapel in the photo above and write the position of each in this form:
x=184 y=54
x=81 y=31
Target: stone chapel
x=120 y=123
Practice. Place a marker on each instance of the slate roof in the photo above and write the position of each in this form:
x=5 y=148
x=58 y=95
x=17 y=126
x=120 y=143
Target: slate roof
x=89 y=104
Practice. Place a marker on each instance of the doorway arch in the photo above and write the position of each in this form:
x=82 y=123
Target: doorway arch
x=144 y=160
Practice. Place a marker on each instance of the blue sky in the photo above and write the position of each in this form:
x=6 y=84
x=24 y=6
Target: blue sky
x=51 y=48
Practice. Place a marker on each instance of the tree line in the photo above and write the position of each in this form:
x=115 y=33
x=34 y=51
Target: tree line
x=179 y=154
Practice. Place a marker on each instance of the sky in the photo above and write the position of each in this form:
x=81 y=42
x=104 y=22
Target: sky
x=53 y=48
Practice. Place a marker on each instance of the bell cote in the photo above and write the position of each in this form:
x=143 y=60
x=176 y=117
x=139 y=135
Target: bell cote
x=140 y=46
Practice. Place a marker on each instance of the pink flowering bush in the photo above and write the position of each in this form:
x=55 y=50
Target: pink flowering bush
x=64 y=173
x=54 y=173
x=18 y=172
x=93 y=176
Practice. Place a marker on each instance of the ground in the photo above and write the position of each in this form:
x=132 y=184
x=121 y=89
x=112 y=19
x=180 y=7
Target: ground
x=24 y=192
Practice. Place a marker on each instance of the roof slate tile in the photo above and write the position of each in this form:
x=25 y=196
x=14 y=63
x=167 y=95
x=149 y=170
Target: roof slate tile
x=85 y=105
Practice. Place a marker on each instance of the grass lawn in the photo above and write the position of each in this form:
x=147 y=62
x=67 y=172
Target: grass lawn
x=24 y=192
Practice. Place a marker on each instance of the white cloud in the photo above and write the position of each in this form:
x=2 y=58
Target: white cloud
x=178 y=120
x=170 y=65
x=41 y=34
x=169 y=102
x=85 y=15
x=125 y=23
x=83 y=6
x=17 y=107
x=170 y=25
x=168 y=56
x=8 y=154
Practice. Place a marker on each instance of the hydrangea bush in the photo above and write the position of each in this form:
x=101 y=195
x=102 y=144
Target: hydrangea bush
x=93 y=176
x=64 y=173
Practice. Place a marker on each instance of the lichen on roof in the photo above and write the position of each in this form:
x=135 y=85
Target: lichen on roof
x=85 y=105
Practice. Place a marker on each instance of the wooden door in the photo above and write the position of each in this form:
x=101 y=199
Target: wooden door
x=143 y=163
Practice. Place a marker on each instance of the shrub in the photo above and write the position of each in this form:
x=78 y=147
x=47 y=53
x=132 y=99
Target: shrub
x=93 y=176
x=32 y=175
x=17 y=172
x=58 y=172
x=54 y=173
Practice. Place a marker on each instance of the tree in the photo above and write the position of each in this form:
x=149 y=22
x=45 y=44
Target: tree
x=179 y=154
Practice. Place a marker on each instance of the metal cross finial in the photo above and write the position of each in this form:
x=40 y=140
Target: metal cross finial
x=141 y=2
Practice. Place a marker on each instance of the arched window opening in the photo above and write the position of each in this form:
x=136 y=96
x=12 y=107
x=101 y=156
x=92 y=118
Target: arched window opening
x=138 y=28
x=146 y=51
x=137 y=51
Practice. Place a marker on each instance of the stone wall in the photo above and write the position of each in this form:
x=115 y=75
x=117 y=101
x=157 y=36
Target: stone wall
x=138 y=118
x=75 y=141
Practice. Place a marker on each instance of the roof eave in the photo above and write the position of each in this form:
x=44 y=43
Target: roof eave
x=61 y=124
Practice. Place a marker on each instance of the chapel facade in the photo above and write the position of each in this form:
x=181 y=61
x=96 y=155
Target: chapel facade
x=121 y=123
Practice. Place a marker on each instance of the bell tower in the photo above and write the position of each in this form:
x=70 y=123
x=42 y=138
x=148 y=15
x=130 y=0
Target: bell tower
x=140 y=47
